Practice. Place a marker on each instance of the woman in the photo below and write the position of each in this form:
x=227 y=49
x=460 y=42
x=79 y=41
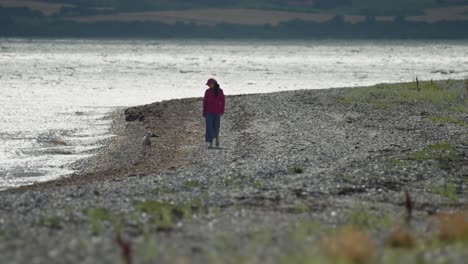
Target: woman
x=213 y=109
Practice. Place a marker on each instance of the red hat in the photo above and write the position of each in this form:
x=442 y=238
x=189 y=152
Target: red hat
x=211 y=81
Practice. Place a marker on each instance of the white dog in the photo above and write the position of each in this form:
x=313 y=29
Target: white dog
x=146 y=142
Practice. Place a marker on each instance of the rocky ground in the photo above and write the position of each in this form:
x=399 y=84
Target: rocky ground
x=294 y=167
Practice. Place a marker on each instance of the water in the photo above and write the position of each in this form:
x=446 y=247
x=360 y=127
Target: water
x=55 y=94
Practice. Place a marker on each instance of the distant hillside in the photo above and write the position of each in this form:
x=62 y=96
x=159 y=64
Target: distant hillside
x=235 y=18
x=342 y=7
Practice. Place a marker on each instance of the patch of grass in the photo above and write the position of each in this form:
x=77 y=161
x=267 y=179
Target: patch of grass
x=234 y=180
x=460 y=108
x=257 y=184
x=452 y=227
x=442 y=152
x=392 y=256
x=304 y=257
x=297 y=169
x=360 y=217
x=448 y=120
x=97 y=216
x=162 y=189
x=53 y=222
x=225 y=242
x=447 y=190
x=346 y=178
x=197 y=205
x=258 y=237
x=442 y=146
x=228 y=251
x=150 y=251
x=101 y=214
x=228 y=181
x=299 y=232
x=398 y=162
x=300 y=207
x=163 y=215
x=401 y=238
x=389 y=95
x=191 y=184
x=349 y=245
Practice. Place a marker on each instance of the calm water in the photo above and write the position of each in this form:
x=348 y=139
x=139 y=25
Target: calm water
x=55 y=94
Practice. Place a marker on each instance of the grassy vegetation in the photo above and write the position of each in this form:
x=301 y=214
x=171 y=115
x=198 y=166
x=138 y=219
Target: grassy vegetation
x=401 y=238
x=234 y=180
x=97 y=216
x=191 y=184
x=443 y=152
x=52 y=222
x=305 y=257
x=312 y=243
x=349 y=245
x=308 y=242
x=447 y=190
x=145 y=217
x=448 y=120
x=462 y=108
x=149 y=250
x=257 y=184
x=346 y=178
x=301 y=231
x=452 y=227
x=162 y=189
x=391 y=95
x=301 y=207
x=297 y=169
x=163 y=215
x=361 y=217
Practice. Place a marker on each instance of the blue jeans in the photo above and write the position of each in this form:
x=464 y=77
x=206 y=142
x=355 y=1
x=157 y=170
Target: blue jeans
x=213 y=122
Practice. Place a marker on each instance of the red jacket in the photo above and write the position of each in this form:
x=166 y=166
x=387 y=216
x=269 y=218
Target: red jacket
x=213 y=104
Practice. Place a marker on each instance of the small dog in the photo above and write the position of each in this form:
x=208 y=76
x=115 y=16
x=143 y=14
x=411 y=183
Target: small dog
x=146 y=142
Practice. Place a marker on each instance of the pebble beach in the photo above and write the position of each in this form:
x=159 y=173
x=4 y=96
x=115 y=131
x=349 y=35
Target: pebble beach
x=293 y=169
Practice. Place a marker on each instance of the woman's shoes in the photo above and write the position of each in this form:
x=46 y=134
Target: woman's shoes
x=210 y=145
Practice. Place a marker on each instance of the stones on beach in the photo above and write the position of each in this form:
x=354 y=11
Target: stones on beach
x=367 y=162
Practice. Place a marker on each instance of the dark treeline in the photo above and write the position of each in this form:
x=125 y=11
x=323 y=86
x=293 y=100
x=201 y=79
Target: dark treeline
x=26 y=23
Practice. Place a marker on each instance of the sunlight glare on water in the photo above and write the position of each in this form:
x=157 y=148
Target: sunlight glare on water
x=56 y=94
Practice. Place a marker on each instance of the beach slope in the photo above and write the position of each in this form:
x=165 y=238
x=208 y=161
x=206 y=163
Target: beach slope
x=293 y=168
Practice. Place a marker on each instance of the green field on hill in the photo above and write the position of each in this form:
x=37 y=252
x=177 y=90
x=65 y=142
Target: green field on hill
x=357 y=7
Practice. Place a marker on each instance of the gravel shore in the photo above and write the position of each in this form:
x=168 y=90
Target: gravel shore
x=293 y=168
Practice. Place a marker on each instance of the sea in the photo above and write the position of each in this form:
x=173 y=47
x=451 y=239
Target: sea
x=56 y=94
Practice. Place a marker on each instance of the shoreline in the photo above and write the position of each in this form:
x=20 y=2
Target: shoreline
x=99 y=167
x=293 y=166
x=125 y=146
